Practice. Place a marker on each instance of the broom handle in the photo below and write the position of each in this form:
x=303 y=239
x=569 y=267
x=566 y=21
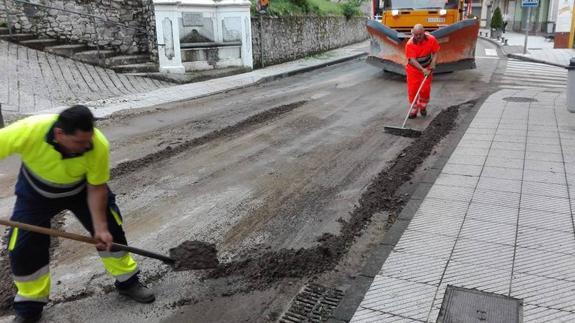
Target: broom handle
x=81 y=238
x=414 y=100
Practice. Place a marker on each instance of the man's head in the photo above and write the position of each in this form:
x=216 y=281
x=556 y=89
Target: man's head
x=74 y=129
x=418 y=33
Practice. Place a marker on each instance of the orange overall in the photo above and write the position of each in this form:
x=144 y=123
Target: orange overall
x=421 y=52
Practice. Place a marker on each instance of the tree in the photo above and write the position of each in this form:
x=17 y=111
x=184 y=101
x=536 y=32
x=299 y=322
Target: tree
x=497 y=20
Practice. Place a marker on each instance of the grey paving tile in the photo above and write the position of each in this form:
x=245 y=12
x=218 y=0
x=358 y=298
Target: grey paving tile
x=507 y=146
x=545 y=263
x=507 y=153
x=545 y=189
x=460 y=169
x=496 y=184
x=457 y=180
x=399 y=297
x=450 y=193
x=545 y=203
x=414 y=267
x=484 y=254
x=542 y=134
x=439 y=208
x=544 y=166
x=536 y=314
x=543 y=141
x=504 y=162
x=366 y=315
x=544 y=292
x=475 y=137
x=502 y=173
x=483 y=278
x=534 y=155
x=512 y=126
x=511 y=133
x=570 y=168
x=467 y=151
x=489 y=232
x=546 y=220
x=547 y=240
x=474 y=143
x=428 y=244
x=448 y=226
x=467 y=159
x=544 y=148
x=569 y=156
x=479 y=131
x=510 y=139
x=492 y=213
x=544 y=177
x=506 y=199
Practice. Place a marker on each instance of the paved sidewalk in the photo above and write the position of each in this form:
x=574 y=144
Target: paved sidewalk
x=499 y=218
x=539 y=49
x=32 y=80
x=104 y=108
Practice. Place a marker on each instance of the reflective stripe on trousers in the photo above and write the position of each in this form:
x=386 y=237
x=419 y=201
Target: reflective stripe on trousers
x=119 y=264
x=34 y=287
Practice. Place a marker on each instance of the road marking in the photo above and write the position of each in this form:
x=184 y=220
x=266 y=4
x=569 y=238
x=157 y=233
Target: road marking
x=490 y=52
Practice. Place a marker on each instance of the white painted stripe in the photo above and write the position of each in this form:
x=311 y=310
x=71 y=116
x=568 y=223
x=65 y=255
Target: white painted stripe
x=490 y=52
x=528 y=71
x=533 y=86
x=486 y=57
x=533 y=82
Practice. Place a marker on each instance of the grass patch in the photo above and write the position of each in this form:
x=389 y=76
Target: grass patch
x=280 y=8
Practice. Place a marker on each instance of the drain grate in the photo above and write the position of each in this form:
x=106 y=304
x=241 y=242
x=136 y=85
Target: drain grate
x=313 y=304
x=471 y=305
x=519 y=99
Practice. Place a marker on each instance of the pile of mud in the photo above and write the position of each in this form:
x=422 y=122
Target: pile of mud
x=192 y=255
x=380 y=196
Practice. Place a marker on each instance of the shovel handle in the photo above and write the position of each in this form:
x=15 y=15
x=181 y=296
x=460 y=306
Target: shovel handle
x=81 y=238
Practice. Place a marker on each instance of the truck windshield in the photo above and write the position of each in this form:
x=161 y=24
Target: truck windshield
x=420 y=4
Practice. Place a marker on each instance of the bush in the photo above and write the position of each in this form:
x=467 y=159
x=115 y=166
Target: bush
x=497 y=19
x=351 y=8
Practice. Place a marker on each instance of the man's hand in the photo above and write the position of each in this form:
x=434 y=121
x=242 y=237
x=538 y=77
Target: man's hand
x=104 y=238
x=432 y=66
x=426 y=71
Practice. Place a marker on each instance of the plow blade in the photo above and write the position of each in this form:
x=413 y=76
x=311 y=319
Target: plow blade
x=457 y=46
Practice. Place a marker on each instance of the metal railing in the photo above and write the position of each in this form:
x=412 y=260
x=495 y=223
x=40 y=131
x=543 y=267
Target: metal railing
x=92 y=17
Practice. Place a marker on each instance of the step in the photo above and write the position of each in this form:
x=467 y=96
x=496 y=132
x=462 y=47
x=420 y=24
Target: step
x=17 y=37
x=66 y=50
x=127 y=60
x=39 y=44
x=148 y=67
x=92 y=56
x=4 y=31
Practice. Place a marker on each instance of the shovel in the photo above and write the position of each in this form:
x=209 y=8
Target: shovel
x=184 y=254
x=403 y=131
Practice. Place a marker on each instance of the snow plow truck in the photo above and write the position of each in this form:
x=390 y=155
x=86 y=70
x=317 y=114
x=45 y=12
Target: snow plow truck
x=444 y=19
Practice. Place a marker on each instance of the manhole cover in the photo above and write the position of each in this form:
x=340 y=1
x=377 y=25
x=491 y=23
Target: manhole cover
x=471 y=305
x=519 y=99
x=313 y=304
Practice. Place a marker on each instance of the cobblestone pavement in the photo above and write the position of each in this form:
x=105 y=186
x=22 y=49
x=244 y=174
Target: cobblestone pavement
x=31 y=80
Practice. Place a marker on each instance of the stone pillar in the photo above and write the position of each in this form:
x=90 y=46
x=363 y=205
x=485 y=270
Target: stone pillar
x=168 y=36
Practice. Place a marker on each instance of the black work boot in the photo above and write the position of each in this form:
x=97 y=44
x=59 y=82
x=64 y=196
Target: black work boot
x=138 y=292
x=27 y=319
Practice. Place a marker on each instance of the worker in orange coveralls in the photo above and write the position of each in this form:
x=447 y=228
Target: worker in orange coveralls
x=421 y=52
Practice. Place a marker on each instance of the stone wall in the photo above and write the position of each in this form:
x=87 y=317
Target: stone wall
x=150 y=25
x=288 y=38
x=53 y=23
x=2 y=13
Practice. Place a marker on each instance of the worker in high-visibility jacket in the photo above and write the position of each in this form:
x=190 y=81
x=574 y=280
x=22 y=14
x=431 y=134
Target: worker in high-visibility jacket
x=421 y=52
x=65 y=166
